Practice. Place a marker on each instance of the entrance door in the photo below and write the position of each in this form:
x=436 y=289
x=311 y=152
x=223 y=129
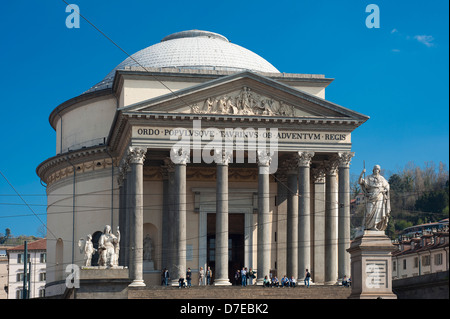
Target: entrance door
x=235 y=243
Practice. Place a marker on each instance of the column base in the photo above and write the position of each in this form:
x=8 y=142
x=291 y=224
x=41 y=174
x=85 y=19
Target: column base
x=222 y=282
x=137 y=283
x=259 y=282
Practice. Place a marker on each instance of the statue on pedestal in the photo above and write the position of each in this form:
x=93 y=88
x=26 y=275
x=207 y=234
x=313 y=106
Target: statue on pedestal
x=107 y=248
x=148 y=249
x=377 y=201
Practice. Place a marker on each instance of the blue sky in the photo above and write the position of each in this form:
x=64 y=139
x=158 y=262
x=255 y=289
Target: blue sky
x=396 y=74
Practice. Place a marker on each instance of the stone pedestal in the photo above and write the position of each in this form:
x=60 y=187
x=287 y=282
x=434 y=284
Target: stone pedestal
x=371 y=263
x=101 y=283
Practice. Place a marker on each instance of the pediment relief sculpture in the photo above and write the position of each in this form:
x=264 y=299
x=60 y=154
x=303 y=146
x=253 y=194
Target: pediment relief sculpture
x=243 y=102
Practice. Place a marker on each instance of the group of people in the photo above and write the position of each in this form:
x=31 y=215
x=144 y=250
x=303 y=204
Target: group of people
x=244 y=277
x=346 y=282
x=186 y=282
x=285 y=281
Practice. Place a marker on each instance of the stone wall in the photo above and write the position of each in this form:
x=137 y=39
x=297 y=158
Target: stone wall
x=430 y=286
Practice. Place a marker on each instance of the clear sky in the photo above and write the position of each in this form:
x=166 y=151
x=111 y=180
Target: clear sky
x=397 y=74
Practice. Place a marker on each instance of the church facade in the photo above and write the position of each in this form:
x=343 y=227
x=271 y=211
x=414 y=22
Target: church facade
x=203 y=155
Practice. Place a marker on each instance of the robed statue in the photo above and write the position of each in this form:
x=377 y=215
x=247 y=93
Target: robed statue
x=377 y=201
x=108 y=247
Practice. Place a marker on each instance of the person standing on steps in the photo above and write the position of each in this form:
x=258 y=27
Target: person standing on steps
x=307 y=278
x=208 y=276
x=189 y=277
x=201 y=276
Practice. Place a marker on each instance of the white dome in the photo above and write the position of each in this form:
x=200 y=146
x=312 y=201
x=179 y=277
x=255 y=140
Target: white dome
x=193 y=49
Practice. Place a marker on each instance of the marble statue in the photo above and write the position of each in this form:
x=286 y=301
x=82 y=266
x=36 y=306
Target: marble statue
x=108 y=248
x=87 y=247
x=377 y=201
x=148 y=248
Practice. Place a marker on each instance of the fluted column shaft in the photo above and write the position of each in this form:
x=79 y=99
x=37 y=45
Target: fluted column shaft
x=331 y=218
x=137 y=156
x=222 y=221
x=304 y=214
x=263 y=245
x=344 y=215
x=292 y=224
x=180 y=221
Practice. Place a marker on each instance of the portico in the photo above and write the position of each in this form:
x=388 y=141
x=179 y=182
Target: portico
x=317 y=218
x=219 y=165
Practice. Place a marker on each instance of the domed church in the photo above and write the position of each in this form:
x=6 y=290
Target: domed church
x=202 y=154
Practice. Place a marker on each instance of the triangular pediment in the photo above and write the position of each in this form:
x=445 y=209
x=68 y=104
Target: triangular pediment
x=244 y=94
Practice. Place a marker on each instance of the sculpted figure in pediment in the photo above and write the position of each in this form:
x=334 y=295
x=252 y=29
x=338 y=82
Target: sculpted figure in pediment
x=244 y=102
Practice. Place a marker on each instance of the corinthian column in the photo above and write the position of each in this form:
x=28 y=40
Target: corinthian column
x=291 y=167
x=222 y=161
x=122 y=182
x=318 y=176
x=180 y=158
x=331 y=218
x=304 y=214
x=263 y=245
x=344 y=214
x=136 y=157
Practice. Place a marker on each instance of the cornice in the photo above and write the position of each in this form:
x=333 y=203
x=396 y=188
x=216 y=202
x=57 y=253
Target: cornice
x=78 y=101
x=60 y=166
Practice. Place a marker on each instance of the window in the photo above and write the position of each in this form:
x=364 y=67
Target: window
x=438 y=259
x=394 y=265
x=416 y=262
x=212 y=249
x=42 y=276
x=20 y=258
x=42 y=292
x=426 y=260
x=43 y=258
x=404 y=263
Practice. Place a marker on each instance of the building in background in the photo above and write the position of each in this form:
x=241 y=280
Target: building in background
x=3 y=272
x=37 y=258
x=425 y=253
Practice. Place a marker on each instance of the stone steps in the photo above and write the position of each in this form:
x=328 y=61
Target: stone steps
x=236 y=292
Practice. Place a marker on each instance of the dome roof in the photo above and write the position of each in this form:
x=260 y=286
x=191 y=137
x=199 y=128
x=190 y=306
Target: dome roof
x=193 y=49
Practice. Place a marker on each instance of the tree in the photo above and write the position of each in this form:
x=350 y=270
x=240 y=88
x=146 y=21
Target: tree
x=5 y=237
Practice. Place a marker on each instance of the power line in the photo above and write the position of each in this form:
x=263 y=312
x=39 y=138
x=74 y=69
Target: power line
x=27 y=204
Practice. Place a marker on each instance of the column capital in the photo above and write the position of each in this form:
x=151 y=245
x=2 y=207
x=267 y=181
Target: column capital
x=344 y=158
x=136 y=154
x=318 y=174
x=180 y=155
x=222 y=156
x=305 y=158
x=290 y=165
x=264 y=158
x=331 y=165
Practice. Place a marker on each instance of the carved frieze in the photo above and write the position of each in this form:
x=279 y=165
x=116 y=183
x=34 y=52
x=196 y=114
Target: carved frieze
x=243 y=102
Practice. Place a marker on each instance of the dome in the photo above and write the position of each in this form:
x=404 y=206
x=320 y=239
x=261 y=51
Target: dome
x=193 y=49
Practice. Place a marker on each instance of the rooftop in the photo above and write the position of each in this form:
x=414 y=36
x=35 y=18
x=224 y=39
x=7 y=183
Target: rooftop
x=40 y=244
